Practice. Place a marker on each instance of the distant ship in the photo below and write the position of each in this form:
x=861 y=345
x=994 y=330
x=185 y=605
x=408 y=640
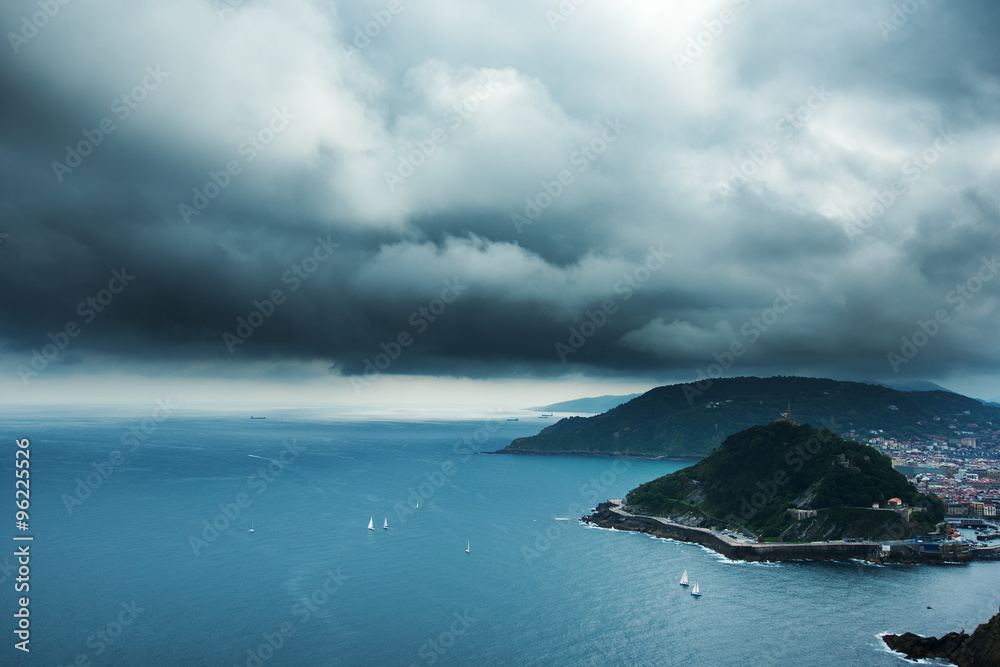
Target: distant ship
x=512 y=420
x=252 y=417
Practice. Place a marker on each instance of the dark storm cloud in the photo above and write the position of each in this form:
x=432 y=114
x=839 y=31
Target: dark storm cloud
x=243 y=146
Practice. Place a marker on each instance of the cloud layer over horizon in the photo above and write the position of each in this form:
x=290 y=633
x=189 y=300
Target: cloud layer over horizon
x=627 y=190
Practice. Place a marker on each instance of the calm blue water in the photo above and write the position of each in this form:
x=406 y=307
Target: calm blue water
x=534 y=589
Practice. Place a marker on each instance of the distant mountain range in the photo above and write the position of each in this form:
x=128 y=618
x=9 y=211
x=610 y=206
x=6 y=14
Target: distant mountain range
x=926 y=385
x=596 y=405
x=915 y=385
x=690 y=420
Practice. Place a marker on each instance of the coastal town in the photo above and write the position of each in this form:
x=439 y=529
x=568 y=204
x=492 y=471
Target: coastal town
x=949 y=456
x=962 y=469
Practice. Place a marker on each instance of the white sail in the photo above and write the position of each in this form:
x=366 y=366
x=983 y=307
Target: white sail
x=385 y=523
x=695 y=590
x=251 y=526
x=467 y=545
x=371 y=524
x=684 y=578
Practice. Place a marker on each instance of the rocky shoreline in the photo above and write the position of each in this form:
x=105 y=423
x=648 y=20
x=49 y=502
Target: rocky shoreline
x=982 y=647
x=613 y=515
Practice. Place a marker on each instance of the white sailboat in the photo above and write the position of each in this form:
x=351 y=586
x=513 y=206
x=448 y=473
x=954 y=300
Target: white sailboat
x=251 y=526
x=371 y=523
x=467 y=545
x=694 y=591
x=684 y=579
x=385 y=524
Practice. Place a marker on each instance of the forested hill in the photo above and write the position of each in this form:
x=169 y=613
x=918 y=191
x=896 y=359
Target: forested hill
x=692 y=419
x=757 y=475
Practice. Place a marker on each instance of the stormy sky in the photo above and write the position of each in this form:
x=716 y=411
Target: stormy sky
x=382 y=200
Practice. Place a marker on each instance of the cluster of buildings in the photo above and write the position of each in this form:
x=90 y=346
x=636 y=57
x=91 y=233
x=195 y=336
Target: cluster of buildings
x=962 y=469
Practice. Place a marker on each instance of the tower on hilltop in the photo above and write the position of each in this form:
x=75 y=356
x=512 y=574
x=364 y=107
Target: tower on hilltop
x=787 y=417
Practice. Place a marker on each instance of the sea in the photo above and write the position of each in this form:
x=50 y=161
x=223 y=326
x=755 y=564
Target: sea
x=142 y=553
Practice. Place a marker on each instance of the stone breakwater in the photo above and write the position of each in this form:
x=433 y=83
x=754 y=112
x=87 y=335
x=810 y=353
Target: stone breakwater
x=611 y=515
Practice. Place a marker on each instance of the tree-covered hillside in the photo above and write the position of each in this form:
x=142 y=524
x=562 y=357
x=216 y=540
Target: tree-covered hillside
x=757 y=475
x=691 y=420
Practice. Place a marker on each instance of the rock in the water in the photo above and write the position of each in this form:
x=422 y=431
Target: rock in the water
x=916 y=647
x=980 y=649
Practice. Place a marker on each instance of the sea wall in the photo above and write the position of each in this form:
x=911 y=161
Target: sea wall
x=607 y=516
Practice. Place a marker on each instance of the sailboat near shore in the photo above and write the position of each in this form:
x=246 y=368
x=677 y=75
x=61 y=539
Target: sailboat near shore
x=684 y=579
x=694 y=591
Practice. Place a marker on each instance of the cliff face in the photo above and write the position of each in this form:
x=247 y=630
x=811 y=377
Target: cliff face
x=981 y=648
